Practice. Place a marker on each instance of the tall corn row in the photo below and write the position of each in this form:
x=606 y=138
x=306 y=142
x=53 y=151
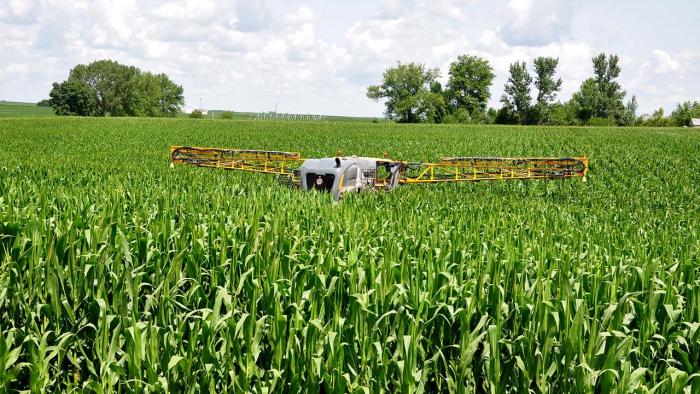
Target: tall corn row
x=120 y=275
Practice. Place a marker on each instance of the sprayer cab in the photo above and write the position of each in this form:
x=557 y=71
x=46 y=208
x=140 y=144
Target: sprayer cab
x=340 y=175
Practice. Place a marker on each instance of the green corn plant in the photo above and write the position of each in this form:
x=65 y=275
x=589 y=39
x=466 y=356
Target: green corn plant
x=120 y=274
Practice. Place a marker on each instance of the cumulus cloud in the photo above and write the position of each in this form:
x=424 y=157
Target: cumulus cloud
x=538 y=23
x=18 y=11
x=251 y=54
x=252 y=16
x=665 y=62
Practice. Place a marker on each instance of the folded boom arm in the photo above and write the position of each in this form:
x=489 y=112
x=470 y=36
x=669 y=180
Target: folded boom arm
x=265 y=161
x=379 y=173
x=470 y=169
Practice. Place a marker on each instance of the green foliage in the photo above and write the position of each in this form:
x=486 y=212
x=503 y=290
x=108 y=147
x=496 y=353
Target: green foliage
x=684 y=112
x=196 y=114
x=72 y=97
x=601 y=96
x=600 y=122
x=468 y=86
x=506 y=115
x=586 y=100
x=658 y=119
x=407 y=90
x=564 y=114
x=490 y=116
x=107 y=88
x=227 y=115
x=516 y=99
x=459 y=115
x=547 y=87
x=119 y=274
x=629 y=117
x=44 y=103
x=156 y=95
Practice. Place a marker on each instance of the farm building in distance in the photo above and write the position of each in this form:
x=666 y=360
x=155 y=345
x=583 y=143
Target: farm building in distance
x=695 y=122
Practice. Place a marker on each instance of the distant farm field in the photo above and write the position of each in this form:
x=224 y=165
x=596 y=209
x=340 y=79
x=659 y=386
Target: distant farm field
x=13 y=109
x=120 y=274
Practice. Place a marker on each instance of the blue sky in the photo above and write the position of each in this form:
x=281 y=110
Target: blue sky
x=319 y=56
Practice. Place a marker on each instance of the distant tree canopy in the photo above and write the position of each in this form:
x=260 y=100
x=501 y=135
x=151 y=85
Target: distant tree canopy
x=516 y=99
x=107 y=88
x=684 y=112
x=547 y=87
x=412 y=93
x=468 y=85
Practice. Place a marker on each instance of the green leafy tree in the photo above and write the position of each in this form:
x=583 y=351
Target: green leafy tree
x=684 y=112
x=439 y=108
x=547 y=86
x=658 y=119
x=491 y=115
x=629 y=117
x=564 y=114
x=517 y=98
x=196 y=114
x=601 y=96
x=587 y=100
x=72 y=97
x=156 y=95
x=410 y=93
x=606 y=70
x=470 y=79
x=459 y=115
x=116 y=90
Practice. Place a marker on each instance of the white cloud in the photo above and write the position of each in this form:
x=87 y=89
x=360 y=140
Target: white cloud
x=665 y=62
x=251 y=54
x=17 y=68
x=18 y=11
x=252 y=16
x=538 y=24
x=187 y=10
x=393 y=8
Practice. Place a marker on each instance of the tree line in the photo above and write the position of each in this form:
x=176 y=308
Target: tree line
x=413 y=94
x=107 y=88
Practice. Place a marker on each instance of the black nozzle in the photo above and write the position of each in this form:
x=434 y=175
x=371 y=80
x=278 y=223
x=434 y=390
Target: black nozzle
x=337 y=162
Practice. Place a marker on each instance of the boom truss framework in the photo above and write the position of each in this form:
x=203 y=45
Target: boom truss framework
x=470 y=169
x=449 y=169
x=264 y=161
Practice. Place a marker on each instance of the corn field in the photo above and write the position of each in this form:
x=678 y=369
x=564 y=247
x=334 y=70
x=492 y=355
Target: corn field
x=120 y=274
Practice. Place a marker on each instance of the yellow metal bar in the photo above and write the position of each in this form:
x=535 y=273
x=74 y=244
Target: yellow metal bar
x=269 y=162
x=492 y=168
